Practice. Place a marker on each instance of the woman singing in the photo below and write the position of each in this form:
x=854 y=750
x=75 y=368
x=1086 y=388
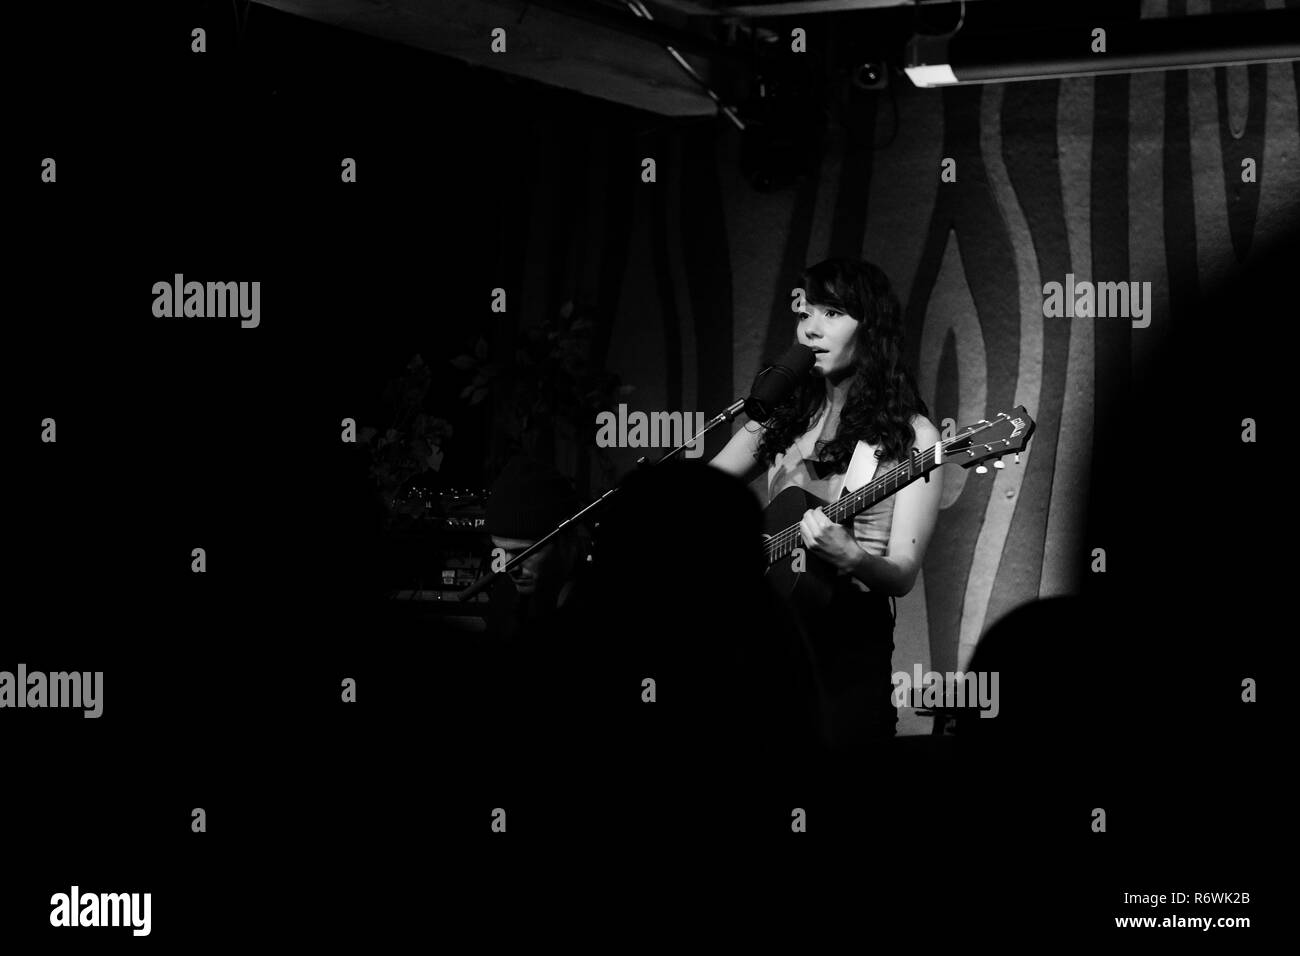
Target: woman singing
x=859 y=392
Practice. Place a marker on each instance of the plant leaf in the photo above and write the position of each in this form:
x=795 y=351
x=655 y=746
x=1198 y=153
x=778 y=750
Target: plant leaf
x=464 y=362
x=481 y=349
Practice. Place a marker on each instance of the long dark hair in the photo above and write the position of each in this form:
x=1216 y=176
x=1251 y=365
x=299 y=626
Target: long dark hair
x=882 y=397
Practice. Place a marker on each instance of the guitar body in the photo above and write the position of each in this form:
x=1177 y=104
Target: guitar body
x=812 y=588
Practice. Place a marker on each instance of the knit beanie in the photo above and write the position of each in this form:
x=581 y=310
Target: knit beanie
x=529 y=499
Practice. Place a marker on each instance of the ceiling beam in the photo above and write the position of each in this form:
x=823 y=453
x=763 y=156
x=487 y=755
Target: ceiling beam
x=620 y=63
x=625 y=21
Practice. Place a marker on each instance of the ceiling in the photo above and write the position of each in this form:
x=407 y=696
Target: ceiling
x=603 y=49
x=599 y=48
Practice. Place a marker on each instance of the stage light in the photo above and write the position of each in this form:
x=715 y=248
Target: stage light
x=1049 y=52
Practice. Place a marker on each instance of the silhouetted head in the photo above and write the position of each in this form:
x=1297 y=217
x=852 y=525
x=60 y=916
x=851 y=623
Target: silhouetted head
x=527 y=501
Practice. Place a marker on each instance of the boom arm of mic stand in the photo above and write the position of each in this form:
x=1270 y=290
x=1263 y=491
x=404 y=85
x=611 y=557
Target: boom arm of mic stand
x=730 y=412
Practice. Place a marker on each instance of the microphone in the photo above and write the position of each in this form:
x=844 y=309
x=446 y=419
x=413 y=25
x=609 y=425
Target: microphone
x=776 y=383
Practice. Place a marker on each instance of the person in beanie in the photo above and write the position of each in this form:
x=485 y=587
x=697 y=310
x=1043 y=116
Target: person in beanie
x=527 y=501
x=530 y=648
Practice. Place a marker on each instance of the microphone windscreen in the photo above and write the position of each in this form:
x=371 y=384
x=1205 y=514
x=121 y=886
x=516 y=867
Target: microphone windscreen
x=776 y=383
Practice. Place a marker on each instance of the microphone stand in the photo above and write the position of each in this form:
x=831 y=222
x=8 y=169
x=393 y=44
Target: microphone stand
x=726 y=415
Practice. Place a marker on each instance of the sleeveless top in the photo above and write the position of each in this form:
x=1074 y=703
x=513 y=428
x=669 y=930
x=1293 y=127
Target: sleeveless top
x=799 y=466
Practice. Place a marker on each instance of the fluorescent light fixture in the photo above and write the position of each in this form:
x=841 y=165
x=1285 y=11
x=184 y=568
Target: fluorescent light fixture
x=1135 y=46
x=940 y=74
x=927 y=62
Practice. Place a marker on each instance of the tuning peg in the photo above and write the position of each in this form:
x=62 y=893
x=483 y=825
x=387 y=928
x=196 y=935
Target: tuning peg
x=981 y=470
x=999 y=463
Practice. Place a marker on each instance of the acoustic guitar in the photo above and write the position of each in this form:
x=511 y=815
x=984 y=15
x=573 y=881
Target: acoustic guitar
x=807 y=580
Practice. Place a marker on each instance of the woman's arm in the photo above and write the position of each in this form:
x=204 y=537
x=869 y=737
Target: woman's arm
x=916 y=508
x=740 y=455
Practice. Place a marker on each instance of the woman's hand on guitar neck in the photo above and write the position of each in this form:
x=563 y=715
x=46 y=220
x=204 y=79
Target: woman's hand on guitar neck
x=829 y=541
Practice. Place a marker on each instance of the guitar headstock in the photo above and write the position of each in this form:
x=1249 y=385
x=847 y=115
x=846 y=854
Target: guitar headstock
x=1006 y=434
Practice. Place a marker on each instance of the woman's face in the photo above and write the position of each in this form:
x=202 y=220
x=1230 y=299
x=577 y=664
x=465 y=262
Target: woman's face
x=828 y=332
